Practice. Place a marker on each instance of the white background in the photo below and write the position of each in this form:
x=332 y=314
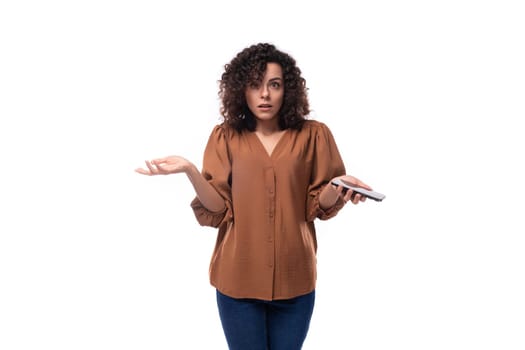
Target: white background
x=426 y=102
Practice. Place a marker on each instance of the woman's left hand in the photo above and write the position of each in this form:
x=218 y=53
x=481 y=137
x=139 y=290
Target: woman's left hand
x=351 y=196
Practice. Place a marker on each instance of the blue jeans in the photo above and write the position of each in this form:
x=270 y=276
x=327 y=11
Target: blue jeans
x=252 y=324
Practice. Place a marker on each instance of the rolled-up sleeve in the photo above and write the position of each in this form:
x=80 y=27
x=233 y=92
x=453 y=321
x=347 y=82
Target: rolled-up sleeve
x=327 y=164
x=216 y=170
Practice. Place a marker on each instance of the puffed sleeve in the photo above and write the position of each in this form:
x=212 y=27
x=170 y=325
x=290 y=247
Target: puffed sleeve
x=327 y=164
x=216 y=170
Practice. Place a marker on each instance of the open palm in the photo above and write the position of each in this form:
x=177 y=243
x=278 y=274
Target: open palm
x=165 y=166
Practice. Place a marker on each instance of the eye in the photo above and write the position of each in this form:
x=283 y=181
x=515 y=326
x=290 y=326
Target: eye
x=254 y=85
x=275 y=84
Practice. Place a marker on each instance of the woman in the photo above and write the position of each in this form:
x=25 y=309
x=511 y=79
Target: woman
x=266 y=176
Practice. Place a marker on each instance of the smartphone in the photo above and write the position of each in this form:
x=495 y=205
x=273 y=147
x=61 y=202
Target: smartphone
x=363 y=191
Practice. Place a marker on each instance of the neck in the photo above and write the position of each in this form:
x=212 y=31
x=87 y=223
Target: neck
x=267 y=127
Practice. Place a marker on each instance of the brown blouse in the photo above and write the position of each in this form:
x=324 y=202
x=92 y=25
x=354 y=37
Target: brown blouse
x=266 y=244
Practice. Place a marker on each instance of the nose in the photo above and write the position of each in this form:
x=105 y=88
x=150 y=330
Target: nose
x=265 y=92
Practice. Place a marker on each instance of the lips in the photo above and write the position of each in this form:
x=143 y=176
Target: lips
x=264 y=107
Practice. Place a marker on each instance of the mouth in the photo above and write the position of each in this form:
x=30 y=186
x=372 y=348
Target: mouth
x=264 y=107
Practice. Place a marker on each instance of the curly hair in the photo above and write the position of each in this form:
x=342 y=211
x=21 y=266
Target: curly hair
x=248 y=68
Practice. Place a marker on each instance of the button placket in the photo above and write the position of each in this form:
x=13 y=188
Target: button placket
x=270 y=200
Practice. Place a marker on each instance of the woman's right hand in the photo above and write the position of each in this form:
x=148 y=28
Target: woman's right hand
x=166 y=166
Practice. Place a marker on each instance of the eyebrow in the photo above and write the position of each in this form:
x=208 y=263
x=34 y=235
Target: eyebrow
x=276 y=78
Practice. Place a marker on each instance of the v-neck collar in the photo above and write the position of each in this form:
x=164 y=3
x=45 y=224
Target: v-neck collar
x=275 y=148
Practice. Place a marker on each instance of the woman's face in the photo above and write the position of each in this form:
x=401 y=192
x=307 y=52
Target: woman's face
x=265 y=99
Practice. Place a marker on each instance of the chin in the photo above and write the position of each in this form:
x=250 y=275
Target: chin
x=265 y=117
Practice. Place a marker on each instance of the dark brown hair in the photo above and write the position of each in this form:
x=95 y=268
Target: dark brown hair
x=248 y=68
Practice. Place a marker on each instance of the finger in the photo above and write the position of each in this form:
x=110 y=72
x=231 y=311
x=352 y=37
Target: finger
x=142 y=171
x=362 y=184
x=151 y=168
x=345 y=196
x=356 y=182
x=356 y=198
x=342 y=192
x=158 y=161
x=349 y=180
